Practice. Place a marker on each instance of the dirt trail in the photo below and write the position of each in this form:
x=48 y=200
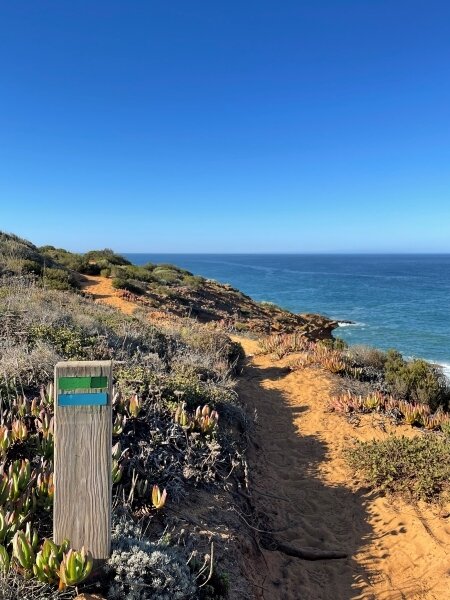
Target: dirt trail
x=102 y=291
x=299 y=480
x=395 y=551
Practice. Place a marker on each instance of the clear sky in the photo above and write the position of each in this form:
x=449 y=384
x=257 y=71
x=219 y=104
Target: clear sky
x=239 y=126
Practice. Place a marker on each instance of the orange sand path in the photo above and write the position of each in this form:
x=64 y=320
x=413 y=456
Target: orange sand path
x=396 y=551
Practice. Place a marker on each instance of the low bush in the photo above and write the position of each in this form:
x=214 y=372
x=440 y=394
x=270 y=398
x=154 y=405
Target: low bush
x=129 y=286
x=142 y=570
x=106 y=255
x=367 y=356
x=417 y=468
x=58 y=279
x=166 y=276
x=416 y=380
x=334 y=344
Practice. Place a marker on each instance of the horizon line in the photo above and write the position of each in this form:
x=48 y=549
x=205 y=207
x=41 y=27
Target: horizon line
x=297 y=253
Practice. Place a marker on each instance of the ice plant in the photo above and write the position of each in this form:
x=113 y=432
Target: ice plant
x=158 y=498
x=19 y=431
x=5 y=439
x=45 y=424
x=48 y=561
x=46 y=395
x=23 y=551
x=4 y=560
x=117 y=471
x=32 y=536
x=119 y=424
x=182 y=418
x=75 y=567
x=134 y=406
x=45 y=489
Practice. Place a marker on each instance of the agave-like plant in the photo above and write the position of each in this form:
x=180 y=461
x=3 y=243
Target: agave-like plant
x=158 y=497
x=46 y=395
x=45 y=489
x=45 y=424
x=117 y=471
x=48 y=562
x=23 y=552
x=19 y=431
x=134 y=406
x=4 y=560
x=119 y=424
x=207 y=420
x=75 y=567
x=374 y=401
x=5 y=439
x=182 y=418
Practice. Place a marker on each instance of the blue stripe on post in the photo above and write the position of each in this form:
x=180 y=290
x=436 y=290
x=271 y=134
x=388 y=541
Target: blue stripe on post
x=97 y=399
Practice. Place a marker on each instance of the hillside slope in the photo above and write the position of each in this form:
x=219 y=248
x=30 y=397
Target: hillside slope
x=164 y=288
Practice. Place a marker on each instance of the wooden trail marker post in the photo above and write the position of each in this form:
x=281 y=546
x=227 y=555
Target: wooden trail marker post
x=83 y=440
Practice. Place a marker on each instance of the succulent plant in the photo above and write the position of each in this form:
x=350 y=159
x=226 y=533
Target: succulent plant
x=134 y=406
x=75 y=567
x=45 y=424
x=46 y=395
x=45 y=489
x=5 y=439
x=119 y=424
x=182 y=418
x=4 y=560
x=23 y=552
x=374 y=401
x=48 y=562
x=19 y=431
x=158 y=498
x=117 y=471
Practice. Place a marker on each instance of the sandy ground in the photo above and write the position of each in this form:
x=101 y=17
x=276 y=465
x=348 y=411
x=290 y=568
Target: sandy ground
x=103 y=292
x=299 y=479
x=395 y=550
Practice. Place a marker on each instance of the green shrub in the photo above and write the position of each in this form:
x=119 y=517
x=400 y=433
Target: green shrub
x=106 y=272
x=69 y=342
x=125 y=284
x=58 y=279
x=26 y=266
x=334 y=344
x=192 y=281
x=106 y=255
x=90 y=269
x=418 y=468
x=415 y=380
x=166 y=276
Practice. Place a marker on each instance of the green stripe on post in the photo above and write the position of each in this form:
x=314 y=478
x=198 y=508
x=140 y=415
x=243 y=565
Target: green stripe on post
x=82 y=383
x=99 y=382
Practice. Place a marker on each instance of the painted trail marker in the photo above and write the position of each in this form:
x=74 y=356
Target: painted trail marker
x=83 y=440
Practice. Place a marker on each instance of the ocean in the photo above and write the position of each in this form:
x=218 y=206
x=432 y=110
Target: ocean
x=394 y=301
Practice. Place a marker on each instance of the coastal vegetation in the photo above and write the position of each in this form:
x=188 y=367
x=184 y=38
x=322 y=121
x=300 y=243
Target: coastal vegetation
x=178 y=427
x=179 y=430
x=412 y=392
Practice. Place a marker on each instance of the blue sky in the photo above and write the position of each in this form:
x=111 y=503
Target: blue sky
x=250 y=126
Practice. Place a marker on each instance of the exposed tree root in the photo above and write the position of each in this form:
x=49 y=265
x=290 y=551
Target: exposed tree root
x=308 y=553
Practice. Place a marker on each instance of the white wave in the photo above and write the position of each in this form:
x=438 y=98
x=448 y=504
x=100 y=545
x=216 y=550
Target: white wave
x=354 y=324
x=445 y=368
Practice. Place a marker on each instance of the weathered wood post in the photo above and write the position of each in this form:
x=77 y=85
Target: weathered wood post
x=83 y=438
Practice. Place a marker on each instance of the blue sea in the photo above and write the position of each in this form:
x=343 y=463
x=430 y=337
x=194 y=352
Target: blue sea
x=394 y=301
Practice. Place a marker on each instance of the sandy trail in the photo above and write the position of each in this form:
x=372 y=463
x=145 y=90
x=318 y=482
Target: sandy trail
x=396 y=551
x=102 y=291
